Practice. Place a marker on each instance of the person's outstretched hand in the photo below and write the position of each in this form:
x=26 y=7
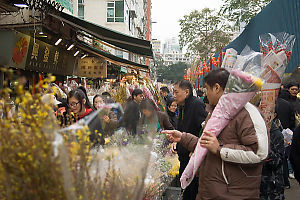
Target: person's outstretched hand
x=173 y=147
x=173 y=135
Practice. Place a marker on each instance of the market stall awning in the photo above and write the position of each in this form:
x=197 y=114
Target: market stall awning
x=132 y=44
x=277 y=16
x=110 y=57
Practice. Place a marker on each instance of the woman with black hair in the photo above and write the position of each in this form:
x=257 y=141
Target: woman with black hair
x=98 y=102
x=171 y=111
x=77 y=108
x=89 y=105
x=78 y=104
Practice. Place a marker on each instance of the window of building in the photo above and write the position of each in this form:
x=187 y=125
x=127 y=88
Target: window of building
x=119 y=53
x=115 y=11
x=81 y=1
x=81 y=11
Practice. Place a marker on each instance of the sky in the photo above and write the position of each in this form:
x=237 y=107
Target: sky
x=166 y=14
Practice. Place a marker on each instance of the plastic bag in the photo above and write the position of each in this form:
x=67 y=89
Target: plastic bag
x=277 y=51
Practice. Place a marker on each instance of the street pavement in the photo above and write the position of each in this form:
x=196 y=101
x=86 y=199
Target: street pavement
x=294 y=192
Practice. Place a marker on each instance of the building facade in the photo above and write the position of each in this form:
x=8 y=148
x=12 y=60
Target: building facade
x=170 y=52
x=171 y=46
x=174 y=57
x=130 y=17
x=156 y=46
x=125 y=16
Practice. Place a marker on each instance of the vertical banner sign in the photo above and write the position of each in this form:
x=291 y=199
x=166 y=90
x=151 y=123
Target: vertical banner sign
x=92 y=67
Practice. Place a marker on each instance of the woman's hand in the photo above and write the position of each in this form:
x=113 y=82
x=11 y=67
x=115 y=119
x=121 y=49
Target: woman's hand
x=106 y=119
x=173 y=135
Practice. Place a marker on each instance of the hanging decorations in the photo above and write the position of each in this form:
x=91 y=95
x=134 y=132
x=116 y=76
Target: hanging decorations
x=200 y=68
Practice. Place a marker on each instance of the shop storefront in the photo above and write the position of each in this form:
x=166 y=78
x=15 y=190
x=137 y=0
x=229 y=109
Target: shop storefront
x=61 y=44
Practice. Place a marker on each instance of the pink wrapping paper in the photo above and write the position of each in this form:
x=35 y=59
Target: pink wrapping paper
x=228 y=106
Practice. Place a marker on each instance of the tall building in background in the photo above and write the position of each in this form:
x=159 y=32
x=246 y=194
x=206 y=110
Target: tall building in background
x=156 y=47
x=171 y=52
x=171 y=46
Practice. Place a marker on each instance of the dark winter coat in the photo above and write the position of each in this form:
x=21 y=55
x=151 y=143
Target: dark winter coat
x=173 y=118
x=296 y=104
x=295 y=153
x=285 y=113
x=131 y=117
x=272 y=182
x=190 y=118
x=285 y=94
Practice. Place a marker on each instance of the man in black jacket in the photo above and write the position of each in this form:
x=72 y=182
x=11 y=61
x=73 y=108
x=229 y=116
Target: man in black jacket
x=286 y=115
x=132 y=112
x=165 y=94
x=191 y=115
x=285 y=111
x=293 y=89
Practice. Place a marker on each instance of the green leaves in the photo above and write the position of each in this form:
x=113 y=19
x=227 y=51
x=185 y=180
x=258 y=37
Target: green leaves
x=241 y=11
x=203 y=33
x=173 y=72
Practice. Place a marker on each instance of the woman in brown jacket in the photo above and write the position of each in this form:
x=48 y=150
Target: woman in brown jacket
x=151 y=115
x=109 y=118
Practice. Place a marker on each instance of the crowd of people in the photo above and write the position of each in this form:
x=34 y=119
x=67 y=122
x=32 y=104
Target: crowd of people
x=229 y=170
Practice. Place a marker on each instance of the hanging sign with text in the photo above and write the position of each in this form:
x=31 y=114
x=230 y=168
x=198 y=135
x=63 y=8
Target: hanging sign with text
x=92 y=67
x=47 y=58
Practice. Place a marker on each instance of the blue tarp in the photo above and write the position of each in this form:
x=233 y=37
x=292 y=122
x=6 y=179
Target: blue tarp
x=277 y=16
